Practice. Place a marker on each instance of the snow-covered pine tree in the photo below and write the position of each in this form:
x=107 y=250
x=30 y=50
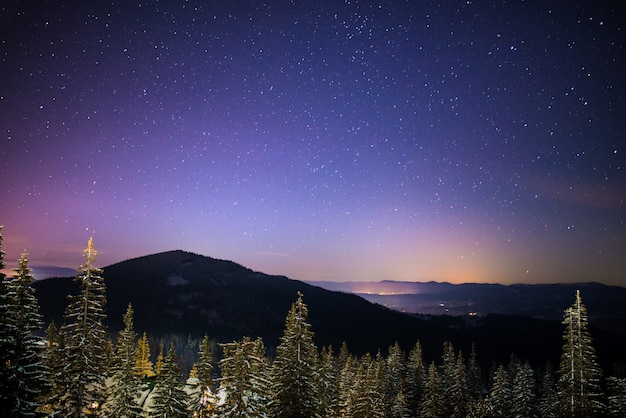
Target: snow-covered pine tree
x=329 y=384
x=459 y=393
x=244 y=379
x=617 y=396
x=546 y=405
x=294 y=374
x=578 y=387
x=475 y=383
x=500 y=398
x=400 y=408
x=53 y=354
x=523 y=391
x=27 y=372
x=203 y=402
x=143 y=365
x=7 y=329
x=159 y=363
x=414 y=380
x=367 y=397
x=394 y=373
x=432 y=400
x=346 y=385
x=124 y=389
x=81 y=380
x=170 y=399
x=447 y=375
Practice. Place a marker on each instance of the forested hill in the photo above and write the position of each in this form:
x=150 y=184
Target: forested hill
x=183 y=293
x=177 y=292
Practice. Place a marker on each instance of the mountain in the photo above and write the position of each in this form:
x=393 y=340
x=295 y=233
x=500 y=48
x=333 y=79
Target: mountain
x=182 y=293
x=185 y=293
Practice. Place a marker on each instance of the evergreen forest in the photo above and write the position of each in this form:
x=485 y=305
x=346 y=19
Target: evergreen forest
x=77 y=369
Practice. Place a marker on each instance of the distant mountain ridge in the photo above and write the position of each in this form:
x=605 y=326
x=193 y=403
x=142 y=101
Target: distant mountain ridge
x=605 y=304
x=534 y=300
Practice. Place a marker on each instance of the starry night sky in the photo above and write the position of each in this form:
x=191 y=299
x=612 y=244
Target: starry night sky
x=322 y=140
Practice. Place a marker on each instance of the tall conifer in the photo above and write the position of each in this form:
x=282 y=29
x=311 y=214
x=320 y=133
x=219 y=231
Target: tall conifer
x=27 y=373
x=204 y=398
x=170 y=399
x=294 y=375
x=143 y=365
x=579 y=393
x=84 y=336
x=123 y=391
x=244 y=379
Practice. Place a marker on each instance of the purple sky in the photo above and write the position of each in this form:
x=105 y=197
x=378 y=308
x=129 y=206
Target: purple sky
x=322 y=140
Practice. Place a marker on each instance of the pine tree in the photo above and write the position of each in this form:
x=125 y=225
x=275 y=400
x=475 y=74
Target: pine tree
x=203 y=400
x=368 y=397
x=294 y=374
x=579 y=393
x=414 y=381
x=546 y=407
x=244 y=379
x=143 y=365
x=159 y=363
x=394 y=373
x=432 y=399
x=7 y=330
x=475 y=383
x=523 y=391
x=53 y=359
x=346 y=386
x=617 y=396
x=328 y=384
x=81 y=381
x=27 y=374
x=500 y=398
x=123 y=391
x=400 y=408
x=459 y=393
x=169 y=399
x=447 y=374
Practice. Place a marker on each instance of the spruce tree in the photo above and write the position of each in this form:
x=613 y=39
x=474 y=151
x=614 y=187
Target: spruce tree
x=546 y=406
x=400 y=408
x=81 y=380
x=27 y=373
x=328 y=384
x=346 y=385
x=368 y=398
x=394 y=373
x=459 y=393
x=294 y=374
x=475 y=383
x=432 y=399
x=143 y=365
x=447 y=374
x=414 y=381
x=579 y=393
x=53 y=359
x=123 y=391
x=169 y=399
x=499 y=400
x=7 y=330
x=244 y=379
x=523 y=392
x=203 y=400
x=617 y=396
x=159 y=363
